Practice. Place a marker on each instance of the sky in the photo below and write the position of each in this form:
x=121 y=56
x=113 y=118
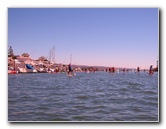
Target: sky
x=119 y=37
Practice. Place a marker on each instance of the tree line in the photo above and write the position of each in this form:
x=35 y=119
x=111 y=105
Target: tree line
x=11 y=54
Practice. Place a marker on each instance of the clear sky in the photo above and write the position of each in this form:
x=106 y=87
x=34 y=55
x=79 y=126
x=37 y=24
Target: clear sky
x=119 y=37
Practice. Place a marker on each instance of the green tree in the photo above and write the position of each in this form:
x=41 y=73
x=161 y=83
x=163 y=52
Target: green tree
x=42 y=58
x=25 y=55
x=10 y=51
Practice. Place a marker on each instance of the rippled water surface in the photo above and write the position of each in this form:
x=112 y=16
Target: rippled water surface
x=96 y=96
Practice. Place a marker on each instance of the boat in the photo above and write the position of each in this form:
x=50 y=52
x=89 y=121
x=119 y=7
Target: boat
x=71 y=74
x=151 y=72
x=27 y=69
x=12 y=71
x=70 y=70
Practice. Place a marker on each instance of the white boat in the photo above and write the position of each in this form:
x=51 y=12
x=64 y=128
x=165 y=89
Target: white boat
x=25 y=68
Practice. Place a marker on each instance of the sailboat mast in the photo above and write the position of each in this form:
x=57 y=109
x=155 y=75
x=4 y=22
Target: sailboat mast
x=70 y=58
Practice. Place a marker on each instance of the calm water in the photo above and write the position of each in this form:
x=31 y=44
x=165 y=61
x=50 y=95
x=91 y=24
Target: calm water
x=96 y=96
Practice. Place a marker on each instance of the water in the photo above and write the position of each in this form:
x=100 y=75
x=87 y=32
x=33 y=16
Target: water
x=96 y=96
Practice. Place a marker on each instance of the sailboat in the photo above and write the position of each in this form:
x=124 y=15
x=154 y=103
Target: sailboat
x=70 y=72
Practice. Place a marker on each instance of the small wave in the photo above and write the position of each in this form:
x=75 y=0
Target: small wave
x=59 y=119
x=100 y=111
x=149 y=92
x=78 y=118
x=82 y=97
x=136 y=109
x=85 y=97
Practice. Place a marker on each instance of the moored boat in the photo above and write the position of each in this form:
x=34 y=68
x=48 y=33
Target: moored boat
x=12 y=72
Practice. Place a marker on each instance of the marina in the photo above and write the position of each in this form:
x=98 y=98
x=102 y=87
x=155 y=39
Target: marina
x=103 y=65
